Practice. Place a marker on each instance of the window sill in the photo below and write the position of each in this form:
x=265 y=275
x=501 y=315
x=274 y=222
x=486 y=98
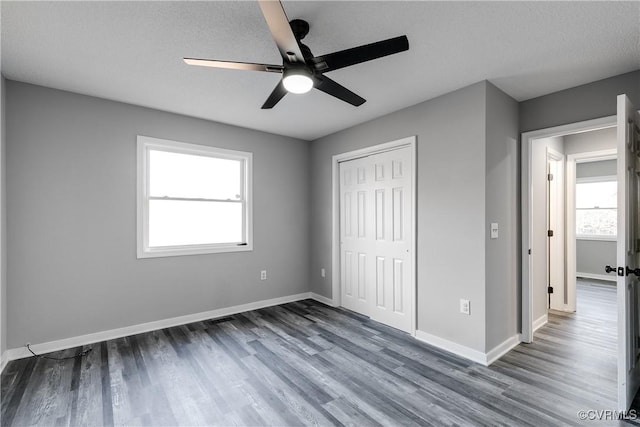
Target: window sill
x=598 y=238
x=183 y=251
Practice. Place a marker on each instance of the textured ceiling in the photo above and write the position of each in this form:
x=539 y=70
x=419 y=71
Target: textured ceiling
x=132 y=52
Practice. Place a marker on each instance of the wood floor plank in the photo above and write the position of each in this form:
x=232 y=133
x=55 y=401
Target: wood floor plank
x=107 y=402
x=305 y=363
x=350 y=415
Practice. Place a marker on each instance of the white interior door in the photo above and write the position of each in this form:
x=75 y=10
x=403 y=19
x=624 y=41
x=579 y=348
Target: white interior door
x=355 y=235
x=555 y=224
x=376 y=242
x=627 y=251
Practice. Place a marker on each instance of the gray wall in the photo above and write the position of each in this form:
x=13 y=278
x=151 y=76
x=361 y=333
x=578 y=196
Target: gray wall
x=451 y=214
x=502 y=188
x=600 y=168
x=593 y=255
x=71 y=183
x=71 y=212
x=589 y=101
x=597 y=140
x=3 y=222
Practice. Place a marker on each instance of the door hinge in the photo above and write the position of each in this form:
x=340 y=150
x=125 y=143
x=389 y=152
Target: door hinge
x=550 y=289
x=550 y=177
x=529 y=251
x=550 y=233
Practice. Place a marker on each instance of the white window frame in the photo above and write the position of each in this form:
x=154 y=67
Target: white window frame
x=604 y=178
x=144 y=145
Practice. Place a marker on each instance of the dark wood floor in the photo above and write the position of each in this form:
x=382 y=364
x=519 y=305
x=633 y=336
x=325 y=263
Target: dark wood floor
x=308 y=364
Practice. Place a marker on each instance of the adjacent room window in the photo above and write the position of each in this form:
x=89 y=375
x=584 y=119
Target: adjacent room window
x=192 y=199
x=596 y=208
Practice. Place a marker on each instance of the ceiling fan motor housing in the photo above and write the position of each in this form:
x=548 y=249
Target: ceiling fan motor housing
x=300 y=28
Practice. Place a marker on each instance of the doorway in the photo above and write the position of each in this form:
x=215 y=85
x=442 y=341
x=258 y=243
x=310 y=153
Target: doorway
x=626 y=125
x=581 y=217
x=574 y=216
x=374 y=233
x=544 y=149
x=591 y=218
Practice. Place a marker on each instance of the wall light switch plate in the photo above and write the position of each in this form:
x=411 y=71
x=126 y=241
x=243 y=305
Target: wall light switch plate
x=263 y=275
x=494 y=230
x=322 y=272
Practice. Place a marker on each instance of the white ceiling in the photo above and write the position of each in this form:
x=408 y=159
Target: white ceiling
x=132 y=52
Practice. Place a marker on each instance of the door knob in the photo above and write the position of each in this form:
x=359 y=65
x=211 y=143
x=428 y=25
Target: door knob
x=610 y=269
x=635 y=271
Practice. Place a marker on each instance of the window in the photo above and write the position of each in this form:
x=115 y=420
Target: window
x=192 y=199
x=596 y=208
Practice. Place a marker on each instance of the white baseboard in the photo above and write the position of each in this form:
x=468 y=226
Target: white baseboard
x=477 y=356
x=597 y=276
x=452 y=347
x=564 y=309
x=47 y=347
x=322 y=299
x=540 y=322
x=501 y=349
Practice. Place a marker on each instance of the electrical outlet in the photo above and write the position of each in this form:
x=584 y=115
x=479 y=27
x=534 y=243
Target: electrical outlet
x=322 y=273
x=465 y=306
x=263 y=275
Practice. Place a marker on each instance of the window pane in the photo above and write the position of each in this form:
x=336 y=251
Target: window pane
x=596 y=222
x=191 y=176
x=176 y=222
x=597 y=194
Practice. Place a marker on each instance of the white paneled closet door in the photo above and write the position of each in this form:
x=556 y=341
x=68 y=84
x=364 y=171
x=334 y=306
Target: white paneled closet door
x=376 y=244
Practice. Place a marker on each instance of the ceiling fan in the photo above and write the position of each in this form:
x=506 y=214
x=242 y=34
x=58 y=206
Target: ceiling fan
x=301 y=71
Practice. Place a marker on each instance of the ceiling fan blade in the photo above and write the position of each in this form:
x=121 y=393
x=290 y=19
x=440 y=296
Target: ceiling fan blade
x=278 y=93
x=281 y=30
x=234 y=65
x=330 y=87
x=356 y=55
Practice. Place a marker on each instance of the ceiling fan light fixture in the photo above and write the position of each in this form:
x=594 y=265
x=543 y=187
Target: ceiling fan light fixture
x=297 y=81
